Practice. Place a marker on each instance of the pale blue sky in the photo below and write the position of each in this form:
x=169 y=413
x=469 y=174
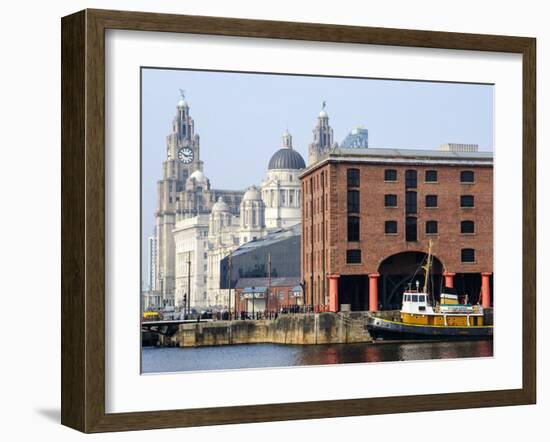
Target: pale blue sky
x=240 y=119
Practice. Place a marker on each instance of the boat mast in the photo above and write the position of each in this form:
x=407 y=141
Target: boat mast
x=427 y=266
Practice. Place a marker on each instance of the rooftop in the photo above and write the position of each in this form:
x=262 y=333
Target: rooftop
x=405 y=156
x=270 y=238
x=286 y=158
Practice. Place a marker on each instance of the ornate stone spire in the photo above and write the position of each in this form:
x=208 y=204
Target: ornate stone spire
x=287 y=140
x=323 y=138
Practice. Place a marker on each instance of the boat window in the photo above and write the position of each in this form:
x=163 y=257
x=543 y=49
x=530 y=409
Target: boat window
x=415 y=298
x=406 y=298
x=421 y=298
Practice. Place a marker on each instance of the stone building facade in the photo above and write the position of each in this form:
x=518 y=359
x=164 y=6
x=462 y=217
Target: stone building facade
x=368 y=217
x=226 y=233
x=183 y=191
x=191 y=247
x=196 y=226
x=281 y=186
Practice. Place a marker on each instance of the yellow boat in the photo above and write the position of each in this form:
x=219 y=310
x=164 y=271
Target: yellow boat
x=420 y=317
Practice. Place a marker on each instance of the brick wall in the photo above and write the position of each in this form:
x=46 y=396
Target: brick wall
x=324 y=193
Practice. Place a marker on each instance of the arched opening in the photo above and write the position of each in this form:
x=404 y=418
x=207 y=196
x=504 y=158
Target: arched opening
x=399 y=270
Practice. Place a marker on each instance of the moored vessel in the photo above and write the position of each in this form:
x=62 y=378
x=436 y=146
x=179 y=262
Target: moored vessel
x=420 y=317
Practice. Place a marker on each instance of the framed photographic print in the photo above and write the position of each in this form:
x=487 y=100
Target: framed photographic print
x=267 y=221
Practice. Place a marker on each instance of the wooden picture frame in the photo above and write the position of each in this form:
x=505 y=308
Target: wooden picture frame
x=83 y=220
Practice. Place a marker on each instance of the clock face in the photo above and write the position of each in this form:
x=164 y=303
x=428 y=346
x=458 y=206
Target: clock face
x=185 y=155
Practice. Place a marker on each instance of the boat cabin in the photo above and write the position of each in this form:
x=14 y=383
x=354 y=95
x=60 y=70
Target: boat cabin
x=416 y=303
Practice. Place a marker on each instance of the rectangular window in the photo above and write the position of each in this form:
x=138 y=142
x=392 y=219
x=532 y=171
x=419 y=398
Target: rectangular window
x=467 y=227
x=390 y=175
x=353 y=228
x=467 y=176
x=353 y=256
x=353 y=177
x=466 y=201
x=431 y=200
x=390 y=200
x=353 y=201
x=468 y=255
x=410 y=179
x=410 y=229
x=410 y=202
x=431 y=176
x=390 y=227
x=431 y=227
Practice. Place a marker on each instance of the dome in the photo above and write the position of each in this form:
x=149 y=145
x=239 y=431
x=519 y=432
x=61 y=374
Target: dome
x=199 y=176
x=220 y=206
x=286 y=158
x=252 y=194
x=182 y=103
x=323 y=114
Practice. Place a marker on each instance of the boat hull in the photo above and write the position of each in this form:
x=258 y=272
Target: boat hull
x=380 y=328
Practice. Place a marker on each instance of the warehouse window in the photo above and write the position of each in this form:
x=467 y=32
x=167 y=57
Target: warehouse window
x=468 y=255
x=431 y=227
x=353 y=201
x=467 y=227
x=410 y=229
x=353 y=228
x=466 y=201
x=390 y=175
x=431 y=176
x=410 y=179
x=390 y=200
x=431 y=200
x=390 y=227
x=353 y=256
x=410 y=202
x=467 y=176
x=353 y=177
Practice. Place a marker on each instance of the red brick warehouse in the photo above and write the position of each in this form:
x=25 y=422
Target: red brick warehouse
x=368 y=215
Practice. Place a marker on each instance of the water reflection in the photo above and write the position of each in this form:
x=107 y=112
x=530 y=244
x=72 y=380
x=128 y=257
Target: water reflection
x=157 y=360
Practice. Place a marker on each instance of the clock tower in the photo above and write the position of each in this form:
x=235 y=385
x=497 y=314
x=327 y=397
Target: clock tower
x=182 y=144
x=182 y=159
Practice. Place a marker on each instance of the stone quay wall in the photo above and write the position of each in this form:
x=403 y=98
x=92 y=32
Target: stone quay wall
x=318 y=328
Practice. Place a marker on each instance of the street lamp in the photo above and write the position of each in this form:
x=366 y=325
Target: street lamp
x=162 y=289
x=229 y=266
x=188 y=303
